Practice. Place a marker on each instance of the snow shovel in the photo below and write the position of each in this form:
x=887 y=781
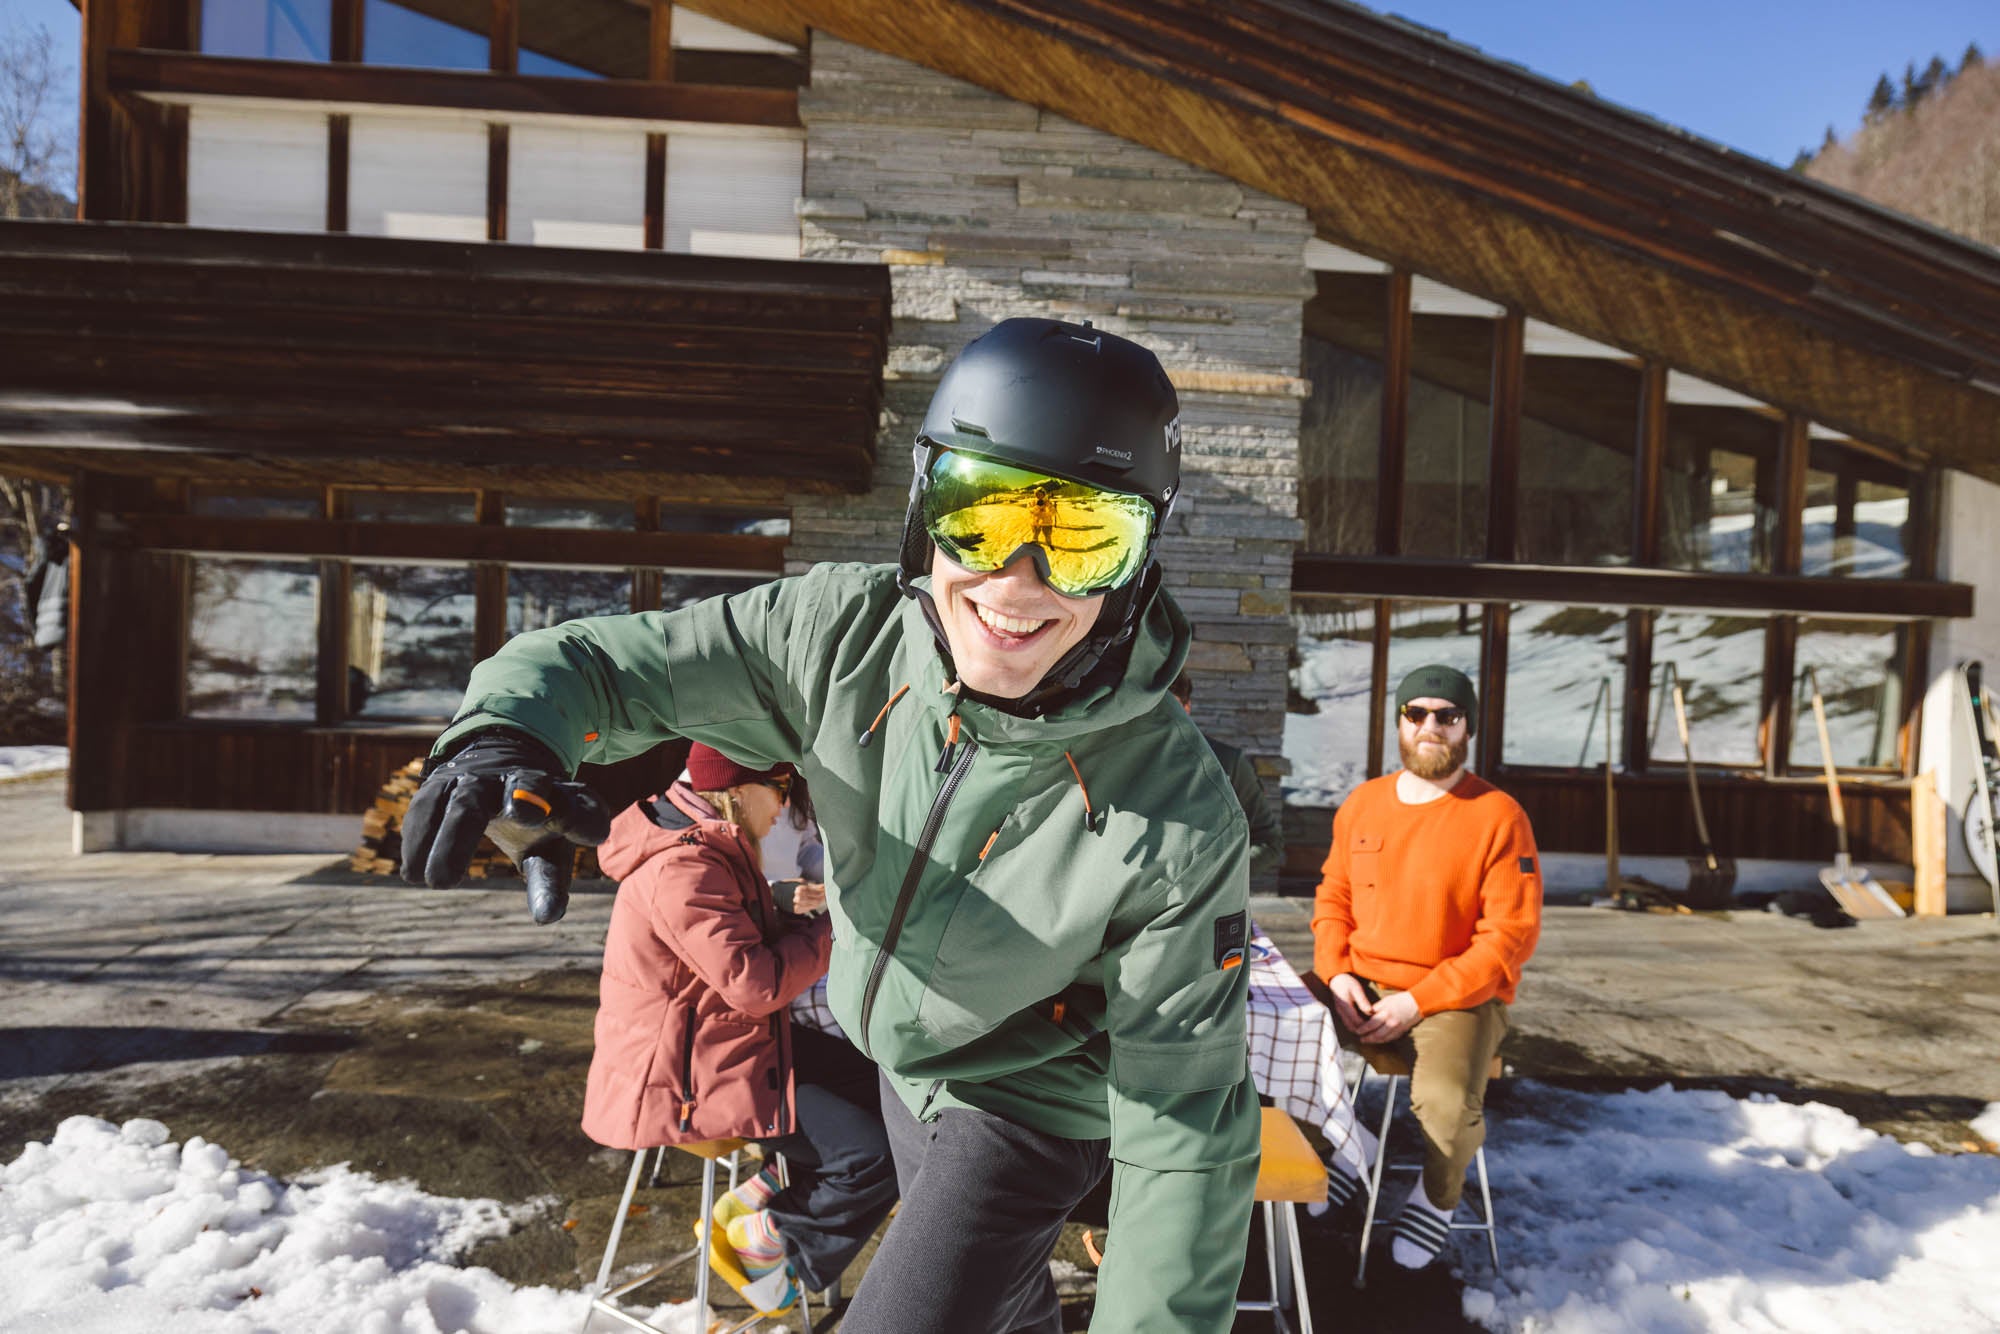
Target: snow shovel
x=1852 y=887
x=1711 y=879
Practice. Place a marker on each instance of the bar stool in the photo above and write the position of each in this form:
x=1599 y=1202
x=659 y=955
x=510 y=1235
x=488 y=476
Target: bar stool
x=1290 y=1174
x=604 y=1298
x=1385 y=1061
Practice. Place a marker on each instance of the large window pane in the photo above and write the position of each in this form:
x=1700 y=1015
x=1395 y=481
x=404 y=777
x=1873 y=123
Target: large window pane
x=1579 y=430
x=253 y=639
x=616 y=515
x=409 y=640
x=393 y=34
x=412 y=506
x=268 y=29
x=537 y=599
x=1859 y=666
x=1340 y=424
x=1421 y=633
x=1857 y=518
x=1326 y=718
x=1444 y=453
x=691 y=519
x=302 y=502
x=1558 y=660
x=1718 y=494
x=1719 y=661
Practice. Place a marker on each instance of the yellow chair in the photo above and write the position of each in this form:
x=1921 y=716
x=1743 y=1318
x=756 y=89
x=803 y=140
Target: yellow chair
x=1290 y=1174
x=1387 y=1062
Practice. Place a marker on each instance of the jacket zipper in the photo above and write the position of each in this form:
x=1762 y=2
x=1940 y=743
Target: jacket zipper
x=687 y=1073
x=918 y=860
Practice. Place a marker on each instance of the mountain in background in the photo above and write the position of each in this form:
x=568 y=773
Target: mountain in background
x=1934 y=157
x=27 y=200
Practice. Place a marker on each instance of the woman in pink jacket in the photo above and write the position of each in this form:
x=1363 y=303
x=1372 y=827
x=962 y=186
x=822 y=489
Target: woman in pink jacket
x=693 y=1039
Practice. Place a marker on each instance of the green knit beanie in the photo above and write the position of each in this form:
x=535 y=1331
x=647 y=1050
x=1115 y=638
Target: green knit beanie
x=1437 y=681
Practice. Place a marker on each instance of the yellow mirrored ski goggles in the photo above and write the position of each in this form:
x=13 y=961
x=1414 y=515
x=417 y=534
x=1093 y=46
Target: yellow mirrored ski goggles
x=1084 y=539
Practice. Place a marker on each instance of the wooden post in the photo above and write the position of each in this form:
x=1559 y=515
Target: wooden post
x=659 y=69
x=1781 y=640
x=1395 y=419
x=1378 y=690
x=1927 y=844
x=1503 y=459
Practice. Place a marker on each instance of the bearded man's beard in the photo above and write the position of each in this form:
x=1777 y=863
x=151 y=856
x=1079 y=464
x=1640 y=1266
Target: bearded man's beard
x=1434 y=761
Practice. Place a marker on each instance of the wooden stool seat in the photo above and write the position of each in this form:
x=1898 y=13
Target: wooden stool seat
x=712 y=1148
x=1290 y=1171
x=1389 y=1061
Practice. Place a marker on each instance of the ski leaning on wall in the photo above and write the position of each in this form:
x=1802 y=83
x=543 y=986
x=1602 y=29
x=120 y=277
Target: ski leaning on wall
x=1959 y=748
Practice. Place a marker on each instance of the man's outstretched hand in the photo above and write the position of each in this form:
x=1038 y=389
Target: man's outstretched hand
x=511 y=789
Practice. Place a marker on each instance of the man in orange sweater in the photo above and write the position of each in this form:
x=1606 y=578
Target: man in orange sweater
x=1429 y=904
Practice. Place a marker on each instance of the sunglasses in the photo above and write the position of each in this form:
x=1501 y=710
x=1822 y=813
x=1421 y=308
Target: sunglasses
x=782 y=783
x=1417 y=714
x=1084 y=539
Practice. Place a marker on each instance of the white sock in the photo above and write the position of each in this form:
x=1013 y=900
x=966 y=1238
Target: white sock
x=1422 y=1229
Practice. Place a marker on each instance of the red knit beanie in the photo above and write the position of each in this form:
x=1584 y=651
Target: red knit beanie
x=709 y=770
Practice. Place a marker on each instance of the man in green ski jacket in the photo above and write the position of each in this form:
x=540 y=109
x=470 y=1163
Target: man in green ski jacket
x=1035 y=865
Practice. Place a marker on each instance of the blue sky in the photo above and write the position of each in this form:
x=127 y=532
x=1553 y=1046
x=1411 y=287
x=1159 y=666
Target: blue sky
x=1764 y=76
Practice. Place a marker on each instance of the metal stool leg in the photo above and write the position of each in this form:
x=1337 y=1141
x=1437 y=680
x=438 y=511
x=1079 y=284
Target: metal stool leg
x=1374 y=1182
x=1298 y=1268
x=604 y=1266
x=1486 y=1203
x=701 y=1246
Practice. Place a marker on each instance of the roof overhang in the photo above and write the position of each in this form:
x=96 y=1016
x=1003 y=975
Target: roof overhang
x=1440 y=159
x=174 y=352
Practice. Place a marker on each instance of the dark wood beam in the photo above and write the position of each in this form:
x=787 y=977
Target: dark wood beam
x=362 y=540
x=168 y=75
x=1503 y=457
x=1493 y=687
x=337 y=139
x=503 y=37
x=1378 y=689
x=1649 y=463
x=660 y=42
x=1616 y=586
x=496 y=182
x=1391 y=449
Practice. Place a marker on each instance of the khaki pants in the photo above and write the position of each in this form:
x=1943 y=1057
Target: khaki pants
x=1450 y=1053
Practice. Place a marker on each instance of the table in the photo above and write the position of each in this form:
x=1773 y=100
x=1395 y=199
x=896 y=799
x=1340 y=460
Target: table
x=1294 y=1048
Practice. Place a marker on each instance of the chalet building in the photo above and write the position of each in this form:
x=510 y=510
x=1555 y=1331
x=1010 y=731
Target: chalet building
x=393 y=329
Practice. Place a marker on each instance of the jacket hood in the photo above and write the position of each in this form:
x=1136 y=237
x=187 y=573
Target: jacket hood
x=654 y=824
x=1159 y=649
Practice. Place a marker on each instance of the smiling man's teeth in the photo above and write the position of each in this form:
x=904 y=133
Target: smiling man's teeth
x=1007 y=623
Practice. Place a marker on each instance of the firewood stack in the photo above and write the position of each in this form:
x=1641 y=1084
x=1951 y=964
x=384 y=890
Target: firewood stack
x=381 y=847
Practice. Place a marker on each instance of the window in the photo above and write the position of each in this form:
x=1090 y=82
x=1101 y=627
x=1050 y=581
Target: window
x=1579 y=432
x=1421 y=633
x=287 y=503
x=1718 y=490
x=1326 y=716
x=1340 y=424
x=1558 y=662
x=268 y=29
x=538 y=599
x=735 y=193
x=1445 y=448
x=253 y=639
x=612 y=515
x=1857 y=515
x=394 y=35
x=1719 y=662
x=412 y=506
x=1860 y=672
x=409 y=640
x=755 y=523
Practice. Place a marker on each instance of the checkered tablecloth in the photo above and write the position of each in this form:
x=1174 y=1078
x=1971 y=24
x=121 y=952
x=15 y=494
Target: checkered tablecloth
x=1294 y=1053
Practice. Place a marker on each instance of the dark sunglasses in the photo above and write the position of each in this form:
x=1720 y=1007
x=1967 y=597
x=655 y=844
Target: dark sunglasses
x=783 y=784
x=1417 y=714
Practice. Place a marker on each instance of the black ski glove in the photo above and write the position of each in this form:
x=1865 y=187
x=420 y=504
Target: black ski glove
x=510 y=788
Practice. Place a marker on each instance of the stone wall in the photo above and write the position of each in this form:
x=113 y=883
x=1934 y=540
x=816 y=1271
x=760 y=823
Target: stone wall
x=986 y=208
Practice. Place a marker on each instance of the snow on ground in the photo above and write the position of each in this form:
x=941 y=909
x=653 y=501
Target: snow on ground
x=20 y=761
x=108 y=1229
x=1666 y=1210
x=1678 y=1210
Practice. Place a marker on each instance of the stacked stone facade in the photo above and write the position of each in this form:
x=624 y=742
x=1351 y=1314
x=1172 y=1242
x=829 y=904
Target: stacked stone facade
x=986 y=208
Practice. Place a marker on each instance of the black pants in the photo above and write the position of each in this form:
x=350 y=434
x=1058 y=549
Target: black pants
x=841 y=1182
x=983 y=1202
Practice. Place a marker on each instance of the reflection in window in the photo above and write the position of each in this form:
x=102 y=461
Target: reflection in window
x=394 y=35
x=268 y=29
x=1718 y=493
x=759 y=523
x=1444 y=454
x=1859 y=665
x=1326 y=717
x=253 y=639
x=1558 y=659
x=302 y=502
x=412 y=506
x=1857 y=517
x=1340 y=424
x=409 y=640
x=614 y=515
x=538 y=599
x=679 y=588
x=1579 y=430
x=1719 y=661
x=1421 y=633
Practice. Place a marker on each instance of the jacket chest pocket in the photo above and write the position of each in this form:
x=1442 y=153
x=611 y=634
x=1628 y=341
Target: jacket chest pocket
x=1364 y=861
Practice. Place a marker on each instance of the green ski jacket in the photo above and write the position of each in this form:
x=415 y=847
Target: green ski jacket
x=1039 y=917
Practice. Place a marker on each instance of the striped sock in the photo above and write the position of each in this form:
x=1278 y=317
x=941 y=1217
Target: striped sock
x=758 y=1245
x=747 y=1198
x=1422 y=1231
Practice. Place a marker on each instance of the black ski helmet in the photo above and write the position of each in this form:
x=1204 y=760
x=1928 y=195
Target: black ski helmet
x=1071 y=401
